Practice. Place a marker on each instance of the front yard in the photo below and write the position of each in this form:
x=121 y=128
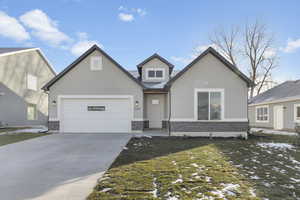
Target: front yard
x=199 y=168
x=17 y=137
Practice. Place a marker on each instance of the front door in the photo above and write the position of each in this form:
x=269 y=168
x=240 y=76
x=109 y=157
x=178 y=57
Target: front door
x=278 y=117
x=155 y=110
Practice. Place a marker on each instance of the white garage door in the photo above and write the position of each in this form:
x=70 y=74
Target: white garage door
x=95 y=115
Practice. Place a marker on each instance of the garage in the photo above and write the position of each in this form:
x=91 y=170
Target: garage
x=95 y=115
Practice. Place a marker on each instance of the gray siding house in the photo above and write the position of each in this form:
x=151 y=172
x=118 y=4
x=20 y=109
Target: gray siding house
x=23 y=72
x=277 y=108
x=96 y=94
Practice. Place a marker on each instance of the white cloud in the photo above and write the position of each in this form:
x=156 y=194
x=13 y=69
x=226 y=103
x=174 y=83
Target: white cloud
x=11 y=28
x=83 y=44
x=292 y=45
x=140 y=11
x=128 y=14
x=44 y=27
x=126 y=17
x=269 y=53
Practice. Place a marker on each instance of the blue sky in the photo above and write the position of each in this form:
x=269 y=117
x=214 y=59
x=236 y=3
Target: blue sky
x=130 y=31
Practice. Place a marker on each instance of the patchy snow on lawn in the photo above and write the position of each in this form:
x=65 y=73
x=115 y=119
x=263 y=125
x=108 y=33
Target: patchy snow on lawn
x=105 y=189
x=154 y=192
x=194 y=165
x=179 y=180
x=274 y=132
x=38 y=129
x=279 y=146
x=169 y=197
x=229 y=189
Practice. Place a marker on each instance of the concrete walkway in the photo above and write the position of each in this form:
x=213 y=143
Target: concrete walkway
x=58 y=166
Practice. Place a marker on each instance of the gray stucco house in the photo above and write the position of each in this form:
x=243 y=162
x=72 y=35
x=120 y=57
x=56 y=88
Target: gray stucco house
x=23 y=72
x=277 y=108
x=96 y=94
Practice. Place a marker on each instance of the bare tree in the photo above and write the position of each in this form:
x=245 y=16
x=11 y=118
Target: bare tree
x=227 y=42
x=253 y=46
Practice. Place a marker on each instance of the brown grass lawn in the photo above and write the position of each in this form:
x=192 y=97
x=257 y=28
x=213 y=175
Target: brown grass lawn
x=12 y=138
x=199 y=168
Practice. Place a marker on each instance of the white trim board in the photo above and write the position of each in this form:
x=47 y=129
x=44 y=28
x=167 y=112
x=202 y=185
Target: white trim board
x=155 y=69
x=196 y=90
x=295 y=113
x=262 y=121
x=295 y=98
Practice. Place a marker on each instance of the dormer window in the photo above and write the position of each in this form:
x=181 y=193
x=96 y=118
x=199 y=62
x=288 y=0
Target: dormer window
x=155 y=73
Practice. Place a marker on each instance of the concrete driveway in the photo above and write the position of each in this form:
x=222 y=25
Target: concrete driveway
x=59 y=166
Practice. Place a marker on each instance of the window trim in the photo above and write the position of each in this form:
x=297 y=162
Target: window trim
x=295 y=113
x=221 y=90
x=262 y=121
x=35 y=113
x=92 y=60
x=155 y=69
x=35 y=78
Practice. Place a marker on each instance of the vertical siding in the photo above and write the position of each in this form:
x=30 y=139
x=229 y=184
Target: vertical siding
x=155 y=63
x=209 y=72
x=288 y=115
x=13 y=81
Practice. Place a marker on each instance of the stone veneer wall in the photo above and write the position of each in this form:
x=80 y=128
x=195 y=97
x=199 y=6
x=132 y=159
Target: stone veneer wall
x=53 y=125
x=181 y=126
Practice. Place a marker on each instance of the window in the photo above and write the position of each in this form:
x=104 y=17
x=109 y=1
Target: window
x=262 y=114
x=31 y=112
x=96 y=63
x=155 y=73
x=31 y=82
x=297 y=112
x=210 y=105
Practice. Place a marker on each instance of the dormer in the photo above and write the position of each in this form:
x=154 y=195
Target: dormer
x=155 y=69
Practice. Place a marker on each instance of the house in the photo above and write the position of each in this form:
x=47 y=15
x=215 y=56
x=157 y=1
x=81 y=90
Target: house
x=96 y=94
x=23 y=72
x=277 y=108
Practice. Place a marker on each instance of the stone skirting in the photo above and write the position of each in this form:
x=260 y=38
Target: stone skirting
x=165 y=124
x=53 y=125
x=146 y=124
x=181 y=126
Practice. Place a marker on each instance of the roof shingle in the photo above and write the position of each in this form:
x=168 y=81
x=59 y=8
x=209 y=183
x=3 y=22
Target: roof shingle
x=284 y=91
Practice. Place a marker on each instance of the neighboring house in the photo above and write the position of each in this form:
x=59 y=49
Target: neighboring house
x=96 y=94
x=277 y=108
x=23 y=72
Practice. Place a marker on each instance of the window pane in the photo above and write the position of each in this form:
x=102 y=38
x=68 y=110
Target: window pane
x=298 y=112
x=159 y=74
x=265 y=111
x=151 y=74
x=203 y=106
x=215 y=106
x=31 y=112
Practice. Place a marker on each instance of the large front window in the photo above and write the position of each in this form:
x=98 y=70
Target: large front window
x=209 y=105
x=262 y=114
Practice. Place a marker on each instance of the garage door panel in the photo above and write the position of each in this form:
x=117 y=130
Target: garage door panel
x=77 y=118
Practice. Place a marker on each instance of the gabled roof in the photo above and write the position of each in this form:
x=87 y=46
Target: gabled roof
x=11 y=50
x=83 y=56
x=219 y=57
x=171 y=66
x=289 y=90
